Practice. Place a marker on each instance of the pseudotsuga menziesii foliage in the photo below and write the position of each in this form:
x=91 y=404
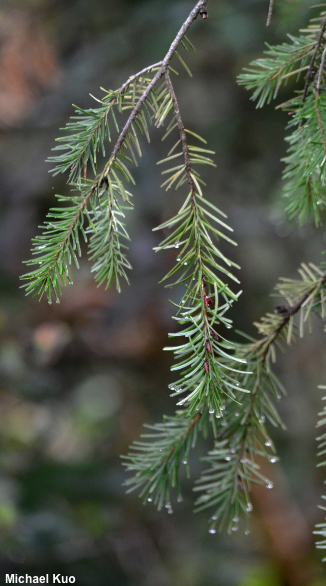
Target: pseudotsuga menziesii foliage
x=225 y=390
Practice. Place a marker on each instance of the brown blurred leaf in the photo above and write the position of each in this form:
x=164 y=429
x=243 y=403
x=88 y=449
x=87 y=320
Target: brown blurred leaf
x=28 y=65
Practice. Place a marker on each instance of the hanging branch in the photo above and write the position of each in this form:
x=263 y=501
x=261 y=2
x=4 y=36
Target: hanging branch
x=227 y=389
x=205 y=379
x=243 y=436
x=237 y=418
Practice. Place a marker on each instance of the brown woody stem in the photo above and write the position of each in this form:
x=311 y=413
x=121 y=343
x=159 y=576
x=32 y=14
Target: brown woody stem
x=313 y=59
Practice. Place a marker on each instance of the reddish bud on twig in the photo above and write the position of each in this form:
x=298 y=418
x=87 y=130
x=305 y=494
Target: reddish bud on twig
x=208 y=301
x=208 y=346
x=206 y=366
x=281 y=309
x=215 y=336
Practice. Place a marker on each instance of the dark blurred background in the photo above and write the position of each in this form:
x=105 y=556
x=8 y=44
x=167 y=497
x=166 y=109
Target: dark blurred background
x=79 y=379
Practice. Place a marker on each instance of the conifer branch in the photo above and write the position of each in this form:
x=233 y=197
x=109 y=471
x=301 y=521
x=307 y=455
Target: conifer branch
x=156 y=463
x=90 y=131
x=242 y=435
x=228 y=389
x=162 y=70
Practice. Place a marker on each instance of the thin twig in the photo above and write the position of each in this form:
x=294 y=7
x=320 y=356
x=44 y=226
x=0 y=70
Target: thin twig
x=114 y=99
x=182 y=133
x=270 y=11
x=188 y=430
x=313 y=58
x=320 y=71
x=165 y=64
x=139 y=74
x=320 y=124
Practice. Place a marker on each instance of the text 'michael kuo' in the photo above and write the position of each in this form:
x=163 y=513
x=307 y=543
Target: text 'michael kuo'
x=45 y=579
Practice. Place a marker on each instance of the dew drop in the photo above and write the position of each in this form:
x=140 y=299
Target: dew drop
x=262 y=419
x=236 y=414
x=170 y=511
x=149 y=500
x=178 y=259
x=224 y=424
x=214 y=518
x=235 y=528
x=211 y=530
x=58 y=301
x=185 y=263
x=185 y=462
x=249 y=507
x=71 y=283
x=228 y=458
x=268 y=444
x=222 y=408
x=273 y=460
x=269 y=485
x=179 y=499
x=177 y=245
x=235 y=519
x=247 y=532
x=211 y=410
x=233 y=451
x=40 y=263
x=168 y=505
x=218 y=416
x=319 y=202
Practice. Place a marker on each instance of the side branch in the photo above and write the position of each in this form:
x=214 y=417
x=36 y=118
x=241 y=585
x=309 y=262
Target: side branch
x=288 y=313
x=164 y=67
x=190 y=428
x=182 y=133
x=313 y=59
